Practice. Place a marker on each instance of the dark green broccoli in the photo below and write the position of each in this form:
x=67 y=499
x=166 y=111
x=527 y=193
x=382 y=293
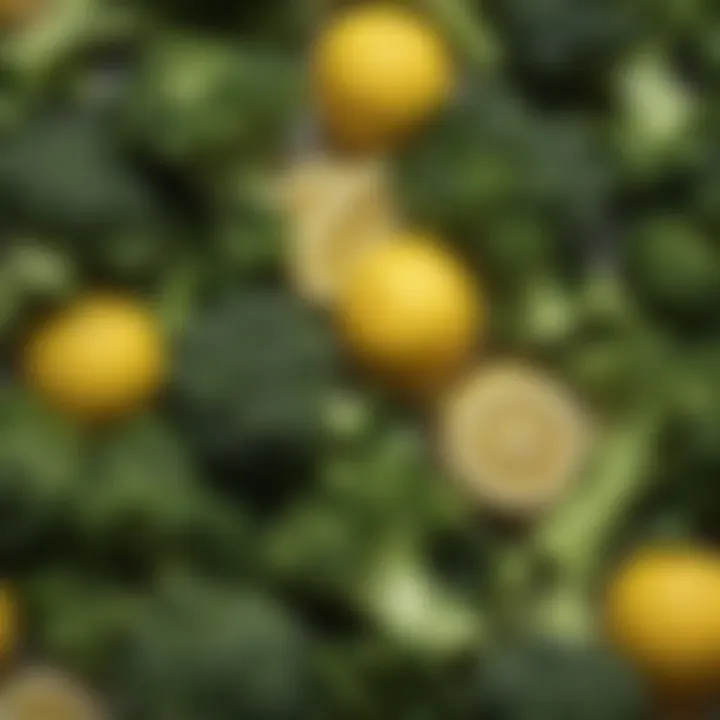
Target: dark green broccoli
x=203 y=652
x=563 y=44
x=62 y=174
x=196 y=98
x=141 y=499
x=546 y=680
x=250 y=380
x=40 y=459
x=674 y=267
x=79 y=620
x=366 y=538
x=491 y=153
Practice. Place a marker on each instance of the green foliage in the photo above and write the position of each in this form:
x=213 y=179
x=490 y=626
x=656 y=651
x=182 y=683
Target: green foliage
x=36 y=486
x=196 y=98
x=252 y=373
x=563 y=43
x=543 y=680
x=202 y=650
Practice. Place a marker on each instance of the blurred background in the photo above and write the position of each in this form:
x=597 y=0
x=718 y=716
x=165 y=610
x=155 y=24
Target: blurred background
x=359 y=361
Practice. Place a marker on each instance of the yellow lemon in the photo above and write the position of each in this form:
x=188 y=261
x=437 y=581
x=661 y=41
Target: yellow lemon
x=102 y=357
x=378 y=73
x=662 y=612
x=411 y=311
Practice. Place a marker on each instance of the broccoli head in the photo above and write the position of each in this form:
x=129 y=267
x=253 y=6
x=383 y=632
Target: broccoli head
x=202 y=652
x=36 y=487
x=196 y=98
x=563 y=44
x=140 y=498
x=675 y=267
x=251 y=377
x=542 y=680
x=63 y=174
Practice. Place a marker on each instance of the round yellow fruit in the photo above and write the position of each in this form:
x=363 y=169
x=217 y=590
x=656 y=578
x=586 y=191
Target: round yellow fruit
x=9 y=622
x=17 y=12
x=378 y=73
x=410 y=310
x=662 y=611
x=98 y=359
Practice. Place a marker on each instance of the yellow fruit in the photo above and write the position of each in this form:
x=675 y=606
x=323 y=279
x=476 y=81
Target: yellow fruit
x=337 y=208
x=17 y=12
x=9 y=622
x=100 y=358
x=662 y=611
x=39 y=693
x=410 y=311
x=378 y=73
x=514 y=438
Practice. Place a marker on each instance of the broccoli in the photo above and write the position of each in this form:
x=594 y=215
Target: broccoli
x=251 y=377
x=62 y=174
x=202 y=651
x=195 y=99
x=79 y=620
x=141 y=499
x=566 y=45
x=546 y=680
x=36 y=488
x=675 y=268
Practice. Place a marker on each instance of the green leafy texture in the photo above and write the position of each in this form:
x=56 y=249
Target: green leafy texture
x=141 y=500
x=543 y=680
x=196 y=98
x=63 y=173
x=80 y=621
x=208 y=652
x=674 y=267
x=40 y=456
x=251 y=376
x=565 y=44
x=366 y=538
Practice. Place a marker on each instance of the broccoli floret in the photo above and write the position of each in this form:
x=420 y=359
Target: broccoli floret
x=63 y=174
x=141 y=499
x=674 y=267
x=565 y=44
x=489 y=154
x=80 y=621
x=251 y=376
x=203 y=652
x=36 y=487
x=543 y=680
x=195 y=98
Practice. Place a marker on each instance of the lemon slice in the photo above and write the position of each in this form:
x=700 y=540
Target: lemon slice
x=336 y=209
x=42 y=693
x=514 y=438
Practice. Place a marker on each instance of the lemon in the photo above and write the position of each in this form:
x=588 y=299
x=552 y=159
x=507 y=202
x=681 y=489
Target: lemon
x=410 y=311
x=100 y=358
x=378 y=73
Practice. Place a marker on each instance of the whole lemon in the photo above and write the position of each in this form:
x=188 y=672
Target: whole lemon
x=379 y=72
x=9 y=622
x=100 y=358
x=411 y=311
x=662 y=612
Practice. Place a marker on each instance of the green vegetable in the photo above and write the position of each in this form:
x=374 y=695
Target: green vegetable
x=251 y=377
x=543 y=680
x=195 y=98
x=563 y=44
x=36 y=487
x=233 y=653
x=65 y=175
x=675 y=268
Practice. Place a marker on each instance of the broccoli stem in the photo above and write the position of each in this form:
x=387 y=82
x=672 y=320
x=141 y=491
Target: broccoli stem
x=574 y=538
x=468 y=33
